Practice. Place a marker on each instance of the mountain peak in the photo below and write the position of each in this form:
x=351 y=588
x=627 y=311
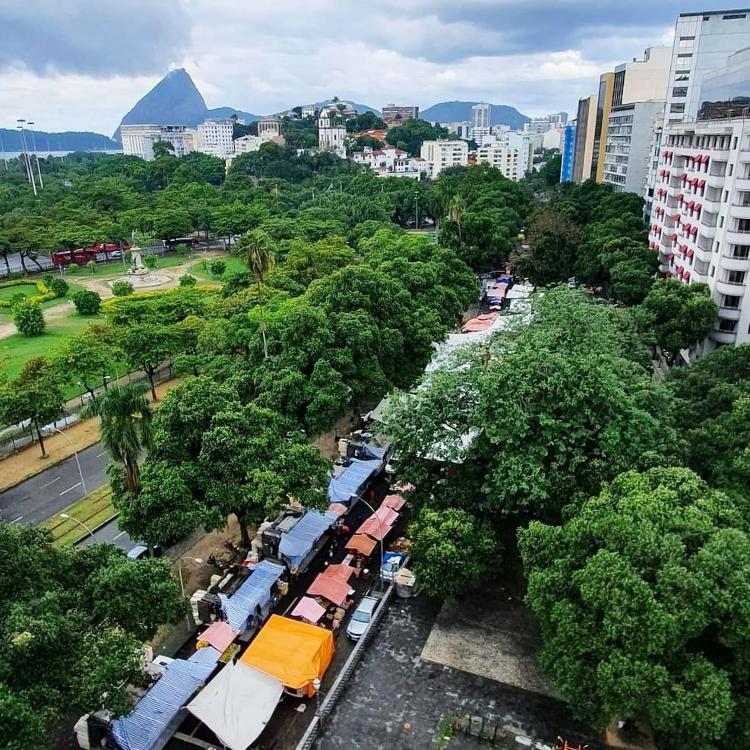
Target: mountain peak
x=458 y=111
x=175 y=100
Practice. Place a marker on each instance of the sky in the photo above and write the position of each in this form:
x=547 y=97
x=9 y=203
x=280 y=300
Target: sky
x=81 y=64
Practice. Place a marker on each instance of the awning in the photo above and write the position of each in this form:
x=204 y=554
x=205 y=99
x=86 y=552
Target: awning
x=338 y=508
x=374 y=528
x=237 y=704
x=361 y=543
x=701 y=183
x=219 y=635
x=301 y=538
x=351 y=481
x=394 y=501
x=386 y=515
x=252 y=595
x=333 y=589
x=308 y=609
x=339 y=572
x=291 y=651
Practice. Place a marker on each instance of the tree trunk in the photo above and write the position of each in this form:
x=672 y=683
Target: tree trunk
x=150 y=373
x=41 y=439
x=7 y=263
x=23 y=264
x=244 y=534
x=133 y=477
x=262 y=324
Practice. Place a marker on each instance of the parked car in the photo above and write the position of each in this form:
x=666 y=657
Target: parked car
x=141 y=551
x=361 y=617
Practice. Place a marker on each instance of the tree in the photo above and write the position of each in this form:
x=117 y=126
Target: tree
x=641 y=598
x=125 y=427
x=35 y=395
x=256 y=249
x=87 y=357
x=413 y=133
x=456 y=211
x=163 y=148
x=170 y=223
x=553 y=240
x=680 y=315
x=28 y=317
x=217 y=267
x=188 y=280
x=59 y=287
x=87 y=302
x=147 y=345
x=452 y=551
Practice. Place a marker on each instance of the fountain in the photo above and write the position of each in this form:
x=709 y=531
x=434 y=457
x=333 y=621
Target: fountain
x=139 y=275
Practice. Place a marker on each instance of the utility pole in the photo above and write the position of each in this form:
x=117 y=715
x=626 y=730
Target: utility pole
x=36 y=156
x=26 y=158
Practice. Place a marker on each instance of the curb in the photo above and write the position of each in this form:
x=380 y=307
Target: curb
x=95 y=529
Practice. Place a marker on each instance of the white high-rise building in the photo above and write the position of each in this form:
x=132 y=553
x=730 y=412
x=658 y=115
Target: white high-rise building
x=481 y=120
x=138 y=140
x=440 y=155
x=215 y=137
x=703 y=42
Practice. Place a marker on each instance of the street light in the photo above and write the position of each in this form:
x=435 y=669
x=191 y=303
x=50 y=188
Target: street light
x=198 y=561
x=75 y=453
x=80 y=523
x=36 y=156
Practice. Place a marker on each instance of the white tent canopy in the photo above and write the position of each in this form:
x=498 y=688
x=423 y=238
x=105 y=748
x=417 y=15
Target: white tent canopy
x=237 y=704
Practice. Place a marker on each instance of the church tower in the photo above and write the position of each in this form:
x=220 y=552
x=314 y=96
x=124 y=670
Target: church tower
x=331 y=133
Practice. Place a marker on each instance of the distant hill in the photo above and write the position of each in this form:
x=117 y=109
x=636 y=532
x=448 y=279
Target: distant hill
x=229 y=111
x=67 y=141
x=359 y=107
x=501 y=114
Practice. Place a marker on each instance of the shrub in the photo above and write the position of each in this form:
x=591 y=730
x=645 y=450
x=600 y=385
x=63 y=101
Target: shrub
x=27 y=316
x=188 y=280
x=74 y=268
x=150 y=261
x=181 y=249
x=218 y=267
x=86 y=302
x=59 y=287
x=122 y=288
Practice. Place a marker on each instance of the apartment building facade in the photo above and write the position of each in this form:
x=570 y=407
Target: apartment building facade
x=396 y=113
x=443 y=154
x=584 y=143
x=568 y=152
x=215 y=137
x=138 y=140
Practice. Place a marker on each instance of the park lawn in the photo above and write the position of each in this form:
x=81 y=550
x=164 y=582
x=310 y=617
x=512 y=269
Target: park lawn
x=92 y=510
x=30 y=290
x=18 y=349
x=116 y=267
x=234 y=265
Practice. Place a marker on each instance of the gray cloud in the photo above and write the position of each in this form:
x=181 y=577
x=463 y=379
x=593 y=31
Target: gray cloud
x=92 y=37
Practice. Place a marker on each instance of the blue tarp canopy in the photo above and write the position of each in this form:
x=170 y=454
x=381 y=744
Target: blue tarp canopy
x=374 y=451
x=254 y=593
x=342 y=488
x=144 y=725
x=301 y=538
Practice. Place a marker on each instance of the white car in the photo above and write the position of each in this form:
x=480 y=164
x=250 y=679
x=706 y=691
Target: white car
x=361 y=617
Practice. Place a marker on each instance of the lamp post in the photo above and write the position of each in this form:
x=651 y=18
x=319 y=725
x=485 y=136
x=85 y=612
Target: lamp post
x=75 y=453
x=36 y=156
x=382 y=553
x=197 y=560
x=68 y=517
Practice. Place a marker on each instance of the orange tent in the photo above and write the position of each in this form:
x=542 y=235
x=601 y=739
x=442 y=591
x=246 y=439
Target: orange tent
x=374 y=528
x=293 y=652
x=341 y=572
x=361 y=543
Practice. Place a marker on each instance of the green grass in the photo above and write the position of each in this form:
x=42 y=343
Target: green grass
x=18 y=349
x=116 y=268
x=92 y=510
x=8 y=292
x=30 y=290
x=234 y=265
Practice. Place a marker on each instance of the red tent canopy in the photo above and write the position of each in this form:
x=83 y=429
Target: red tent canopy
x=374 y=528
x=361 y=543
x=339 y=572
x=394 y=501
x=329 y=587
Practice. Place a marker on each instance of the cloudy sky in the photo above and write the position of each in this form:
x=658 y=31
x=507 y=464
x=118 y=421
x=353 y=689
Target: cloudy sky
x=81 y=64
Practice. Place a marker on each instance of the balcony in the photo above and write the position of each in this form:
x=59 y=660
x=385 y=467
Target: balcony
x=730 y=288
x=715 y=180
x=730 y=263
x=708 y=231
x=714 y=206
x=729 y=313
x=736 y=237
x=723 y=337
x=742 y=183
x=740 y=210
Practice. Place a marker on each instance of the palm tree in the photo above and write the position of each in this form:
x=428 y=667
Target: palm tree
x=125 y=424
x=456 y=211
x=256 y=249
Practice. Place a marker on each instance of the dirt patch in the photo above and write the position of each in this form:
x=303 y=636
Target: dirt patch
x=27 y=463
x=327 y=442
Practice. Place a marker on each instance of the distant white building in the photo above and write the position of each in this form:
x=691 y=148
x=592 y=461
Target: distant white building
x=461 y=129
x=440 y=155
x=397 y=113
x=391 y=162
x=138 y=140
x=268 y=127
x=511 y=153
x=309 y=110
x=246 y=143
x=332 y=133
x=215 y=137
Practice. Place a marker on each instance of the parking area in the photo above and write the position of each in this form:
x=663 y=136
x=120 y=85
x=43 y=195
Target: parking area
x=396 y=699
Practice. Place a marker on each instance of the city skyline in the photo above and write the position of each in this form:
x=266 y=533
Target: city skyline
x=99 y=60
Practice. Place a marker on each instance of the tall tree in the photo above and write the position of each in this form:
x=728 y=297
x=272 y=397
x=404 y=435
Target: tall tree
x=256 y=249
x=125 y=427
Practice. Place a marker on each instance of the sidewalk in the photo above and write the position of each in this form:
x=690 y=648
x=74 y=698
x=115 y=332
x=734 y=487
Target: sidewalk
x=27 y=462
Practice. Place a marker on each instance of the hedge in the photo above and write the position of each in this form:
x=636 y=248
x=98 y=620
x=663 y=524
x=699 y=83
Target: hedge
x=44 y=293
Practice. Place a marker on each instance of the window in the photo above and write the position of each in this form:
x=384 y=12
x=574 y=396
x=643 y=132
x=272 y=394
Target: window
x=736 y=277
x=677 y=107
x=727 y=326
x=731 y=301
x=682 y=75
x=741 y=251
x=732 y=16
x=679 y=91
x=683 y=57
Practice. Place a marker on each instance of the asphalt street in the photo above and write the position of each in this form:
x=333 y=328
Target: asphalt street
x=110 y=533
x=54 y=489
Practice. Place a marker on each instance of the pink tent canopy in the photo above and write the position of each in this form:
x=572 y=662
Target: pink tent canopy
x=374 y=528
x=394 y=501
x=308 y=609
x=219 y=635
x=338 y=508
x=330 y=588
x=387 y=516
x=361 y=543
x=339 y=572
x=479 y=324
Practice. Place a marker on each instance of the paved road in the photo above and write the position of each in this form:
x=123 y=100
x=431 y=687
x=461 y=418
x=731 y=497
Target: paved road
x=55 y=488
x=110 y=533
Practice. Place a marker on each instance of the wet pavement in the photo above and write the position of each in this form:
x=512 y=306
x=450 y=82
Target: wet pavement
x=397 y=700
